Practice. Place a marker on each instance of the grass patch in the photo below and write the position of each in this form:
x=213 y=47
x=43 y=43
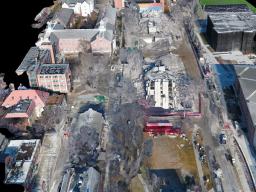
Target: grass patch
x=227 y=2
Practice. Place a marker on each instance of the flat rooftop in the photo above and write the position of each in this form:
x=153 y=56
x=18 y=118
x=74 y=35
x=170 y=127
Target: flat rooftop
x=33 y=56
x=52 y=69
x=21 y=107
x=64 y=15
x=23 y=151
x=247 y=78
x=227 y=8
x=233 y=22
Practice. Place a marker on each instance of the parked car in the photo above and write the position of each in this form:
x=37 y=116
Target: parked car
x=223 y=138
x=237 y=126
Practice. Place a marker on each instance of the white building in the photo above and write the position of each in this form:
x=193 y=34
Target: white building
x=80 y=7
x=160 y=86
x=21 y=161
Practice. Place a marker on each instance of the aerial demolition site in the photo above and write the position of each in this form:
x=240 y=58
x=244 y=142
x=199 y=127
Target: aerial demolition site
x=128 y=99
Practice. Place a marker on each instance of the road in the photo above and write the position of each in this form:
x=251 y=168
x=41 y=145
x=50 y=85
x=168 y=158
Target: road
x=62 y=161
x=209 y=127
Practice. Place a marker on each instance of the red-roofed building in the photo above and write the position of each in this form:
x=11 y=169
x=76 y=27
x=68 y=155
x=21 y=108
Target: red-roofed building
x=35 y=101
x=23 y=109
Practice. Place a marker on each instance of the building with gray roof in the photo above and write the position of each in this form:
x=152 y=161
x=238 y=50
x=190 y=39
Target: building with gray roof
x=64 y=17
x=105 y=41
x=86 y=34
x=246 y=91
x=70 y=2
x=226 y=8
x=228 y=31
x=110 y=15
x=70 y=41
x=33 y=57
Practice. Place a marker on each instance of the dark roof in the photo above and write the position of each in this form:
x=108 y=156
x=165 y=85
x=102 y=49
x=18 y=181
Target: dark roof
x=34 y=56
x=227 y=8
x=21 y=107
x=233 y=22
x=52 y=69
x=63 y=16
x=247 y=78
x=72 y=1
x=147 y=1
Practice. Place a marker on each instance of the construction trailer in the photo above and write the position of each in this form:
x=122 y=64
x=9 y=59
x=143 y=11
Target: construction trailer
x=161 y=128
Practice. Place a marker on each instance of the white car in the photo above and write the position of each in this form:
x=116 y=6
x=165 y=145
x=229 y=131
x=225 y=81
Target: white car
x=237 y=126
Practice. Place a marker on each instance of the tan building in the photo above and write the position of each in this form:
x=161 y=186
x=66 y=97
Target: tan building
x=54 y=77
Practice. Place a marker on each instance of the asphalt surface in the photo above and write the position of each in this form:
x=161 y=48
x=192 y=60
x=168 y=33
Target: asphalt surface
x=209 y=127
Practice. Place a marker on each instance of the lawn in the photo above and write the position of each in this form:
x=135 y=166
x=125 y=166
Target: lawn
x=227 y=2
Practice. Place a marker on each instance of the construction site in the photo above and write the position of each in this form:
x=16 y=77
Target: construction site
x=144 y=117
x=148 y=73
x=171 y=81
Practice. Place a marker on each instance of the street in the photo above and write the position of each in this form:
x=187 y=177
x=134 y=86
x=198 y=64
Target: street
x=209 y=127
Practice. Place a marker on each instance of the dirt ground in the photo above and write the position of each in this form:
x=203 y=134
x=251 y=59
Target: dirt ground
x=135 y=185
x=172 y=153
x=187 y=56
x=164 y=154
